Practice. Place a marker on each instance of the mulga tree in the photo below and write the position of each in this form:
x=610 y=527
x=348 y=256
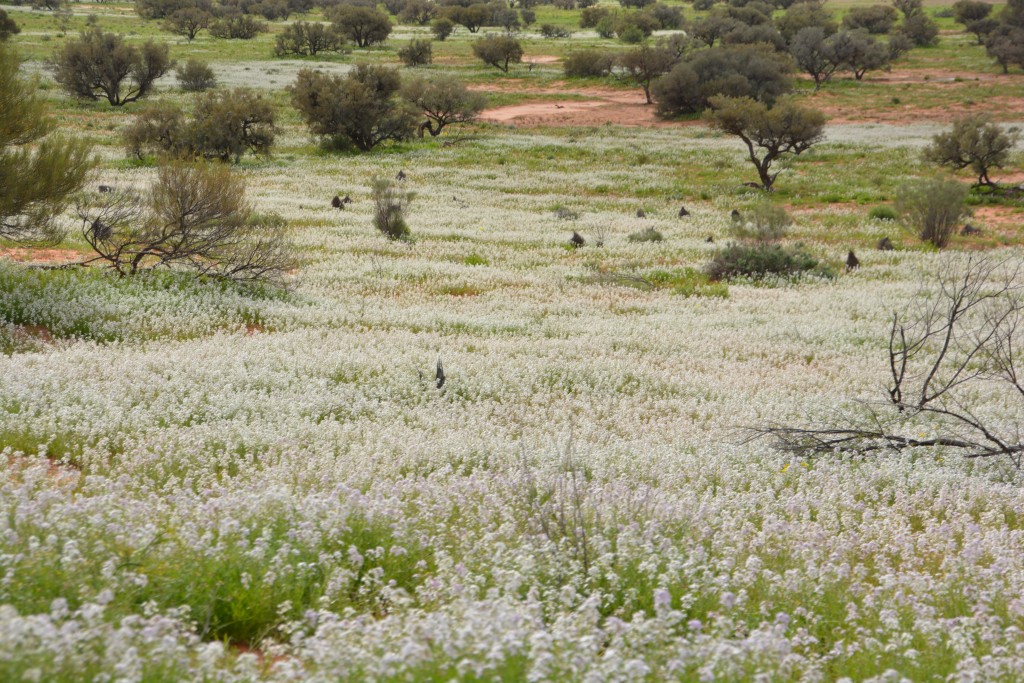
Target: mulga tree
x=859 y=52
x=38 y=171
x=768 y=133
x=814 y=53
x=443 y=100
x=364 y=26
x=974 y=142
x=361 y=109
x=99 y=64
x=647 y=63
x=498 y=51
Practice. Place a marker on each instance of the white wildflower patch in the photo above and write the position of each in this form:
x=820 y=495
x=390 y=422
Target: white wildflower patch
x=204 y=482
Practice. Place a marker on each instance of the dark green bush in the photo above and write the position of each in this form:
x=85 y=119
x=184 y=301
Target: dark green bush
x=646 y=235
x=761 y=260
x=195 y=76
x=589 y=63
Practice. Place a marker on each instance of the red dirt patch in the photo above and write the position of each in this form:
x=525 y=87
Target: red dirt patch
x=30 y=255
x=601 y=106
x=1003 y=220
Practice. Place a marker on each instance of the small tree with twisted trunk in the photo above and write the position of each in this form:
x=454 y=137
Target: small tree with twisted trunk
x=498 y=51
x=644 y=64
x=976 y=143
x=188 y=22
x=361 y=109
x=444 y=101
x=768 y=133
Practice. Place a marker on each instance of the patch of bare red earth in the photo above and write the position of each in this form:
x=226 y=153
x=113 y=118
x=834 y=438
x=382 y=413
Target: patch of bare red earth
x=31 y=255
x=593 y=106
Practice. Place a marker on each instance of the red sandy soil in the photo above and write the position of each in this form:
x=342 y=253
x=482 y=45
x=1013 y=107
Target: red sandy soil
x=601 y=106
x=30 y=255
x=596 y=106
x=1002 y=219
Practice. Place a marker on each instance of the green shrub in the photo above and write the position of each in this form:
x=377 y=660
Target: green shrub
x=589 y=63
x=195 y=76
x=553 y=31
x=688 y=282
x=390 y=202
x=883 y=213
x=758 y=261
x=932 y=208
x=442 y=28
x=416 y=53
x=646 y=235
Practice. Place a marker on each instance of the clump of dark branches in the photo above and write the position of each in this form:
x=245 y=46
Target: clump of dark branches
x=956 y=366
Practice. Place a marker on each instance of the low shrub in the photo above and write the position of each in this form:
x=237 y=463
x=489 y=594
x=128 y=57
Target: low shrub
x=762 y=260
x=646 y=235
x=883 y=213
x=416 y=53
x=195 y=76
x=552 y=31
x=589 y=63
x=390 y=202
x=932 y=208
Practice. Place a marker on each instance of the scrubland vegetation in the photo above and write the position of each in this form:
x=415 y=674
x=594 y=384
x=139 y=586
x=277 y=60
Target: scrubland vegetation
x=686 y=345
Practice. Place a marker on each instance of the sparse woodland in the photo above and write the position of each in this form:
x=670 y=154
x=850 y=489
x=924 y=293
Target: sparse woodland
x=425 y=340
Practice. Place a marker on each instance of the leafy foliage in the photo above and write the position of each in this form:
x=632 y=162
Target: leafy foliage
x=237 y=26
x=224 y=125
x=188 y=22
x=444 y=100
x=390 y=202
x=786 y=128
x=416 y=53
x=734 y=71
x=974 y=142
x=308 y=39
x=498 y=51
x=932 y=208
x=361 y=109
x=364 y=26
x=38 y=171
x=760 y=260
x=100 y=64
x=8 y=26
x=195 y=76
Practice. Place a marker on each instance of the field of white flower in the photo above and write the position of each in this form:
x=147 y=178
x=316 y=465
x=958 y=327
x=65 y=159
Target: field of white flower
x=210 y=483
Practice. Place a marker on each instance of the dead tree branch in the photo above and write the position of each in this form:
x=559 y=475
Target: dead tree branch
x=955 y=357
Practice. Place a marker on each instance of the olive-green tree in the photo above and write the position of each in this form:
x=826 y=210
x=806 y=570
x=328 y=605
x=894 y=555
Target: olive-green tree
x=443 y=100
x=38 y=171
x=768 y=133
x=100 y=64
x=361 y=109
x=224 y=125
x=498 y=51
x=974 y=142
